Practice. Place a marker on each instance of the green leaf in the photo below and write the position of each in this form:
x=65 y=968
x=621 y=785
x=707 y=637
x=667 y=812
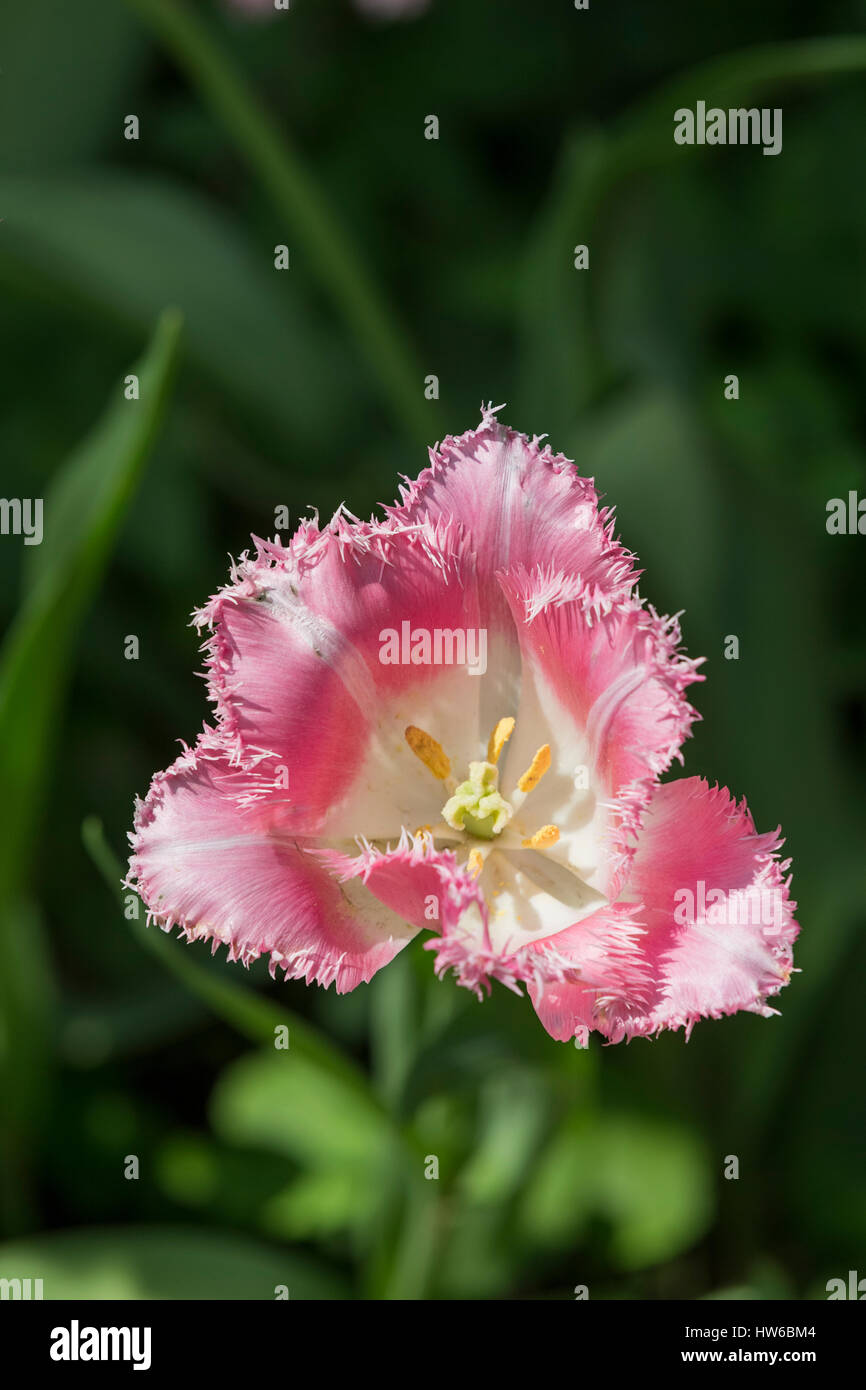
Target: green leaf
x=654 y=1186
x=82 y=515
x=163 y=1262
x=320 y=1203
x=647 y=1179
x=91 y=495
x=285 y=1104
x=514 y=1110
x=28 y=1003
x=288 y=1104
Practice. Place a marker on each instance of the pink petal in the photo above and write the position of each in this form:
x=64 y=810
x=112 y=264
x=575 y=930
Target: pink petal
x=518 y=501
x=492 y=933
x=295 y=671
x=423 y=885
x=588 y=967
x=609 y=690
x=724 y=958
x=235 y=875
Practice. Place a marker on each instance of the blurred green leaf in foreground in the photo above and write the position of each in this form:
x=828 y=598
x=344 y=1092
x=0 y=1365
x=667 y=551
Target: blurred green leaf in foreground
x=82 y=514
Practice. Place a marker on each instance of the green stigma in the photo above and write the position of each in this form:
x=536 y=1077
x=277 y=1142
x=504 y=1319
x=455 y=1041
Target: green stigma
x=477 y=806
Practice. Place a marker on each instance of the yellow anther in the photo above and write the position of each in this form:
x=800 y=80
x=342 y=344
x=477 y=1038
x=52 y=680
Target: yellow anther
x=536 y=770
x=423 y=830
x=543 y=838
x=498 y=739
x=475 y=862
x=431 y=753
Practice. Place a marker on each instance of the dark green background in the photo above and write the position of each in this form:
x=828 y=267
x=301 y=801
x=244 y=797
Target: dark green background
x=412 y=257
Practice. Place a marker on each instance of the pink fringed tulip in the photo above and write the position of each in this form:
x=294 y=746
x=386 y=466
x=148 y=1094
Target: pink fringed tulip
x=454 y=719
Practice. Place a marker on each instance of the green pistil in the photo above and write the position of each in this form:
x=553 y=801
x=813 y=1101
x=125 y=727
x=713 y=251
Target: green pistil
x=477 y=806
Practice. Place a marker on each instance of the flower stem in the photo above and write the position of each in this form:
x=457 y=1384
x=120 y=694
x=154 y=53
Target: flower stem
x=251 y=1015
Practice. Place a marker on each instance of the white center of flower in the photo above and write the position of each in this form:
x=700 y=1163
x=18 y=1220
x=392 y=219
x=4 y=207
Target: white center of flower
x=476 y=808
x=486 y=831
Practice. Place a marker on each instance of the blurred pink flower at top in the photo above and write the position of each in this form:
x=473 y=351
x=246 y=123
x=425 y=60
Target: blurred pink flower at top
x=455 y=719
x=378 y=9
x=388 y=8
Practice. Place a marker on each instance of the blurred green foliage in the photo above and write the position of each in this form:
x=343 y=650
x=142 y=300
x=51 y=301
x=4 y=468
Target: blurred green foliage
x=410 y=257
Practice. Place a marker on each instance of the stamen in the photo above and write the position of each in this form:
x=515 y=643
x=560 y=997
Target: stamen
x=423 y=830
x=543 y=838
x=536 y=770
x=498 y=739
x=475 y=862
x=431 y=753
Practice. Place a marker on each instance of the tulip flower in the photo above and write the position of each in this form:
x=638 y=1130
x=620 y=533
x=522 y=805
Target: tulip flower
x=365 y=781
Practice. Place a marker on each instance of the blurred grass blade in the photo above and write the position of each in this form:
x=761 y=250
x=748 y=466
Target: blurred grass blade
x=28 y=1000
x=81 y=519
x=644 y=136
x=394 y=1011
x=297 y=201
x=166 y=1262
x=562 y=361
x=402 y=1257
x=250 y=1014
